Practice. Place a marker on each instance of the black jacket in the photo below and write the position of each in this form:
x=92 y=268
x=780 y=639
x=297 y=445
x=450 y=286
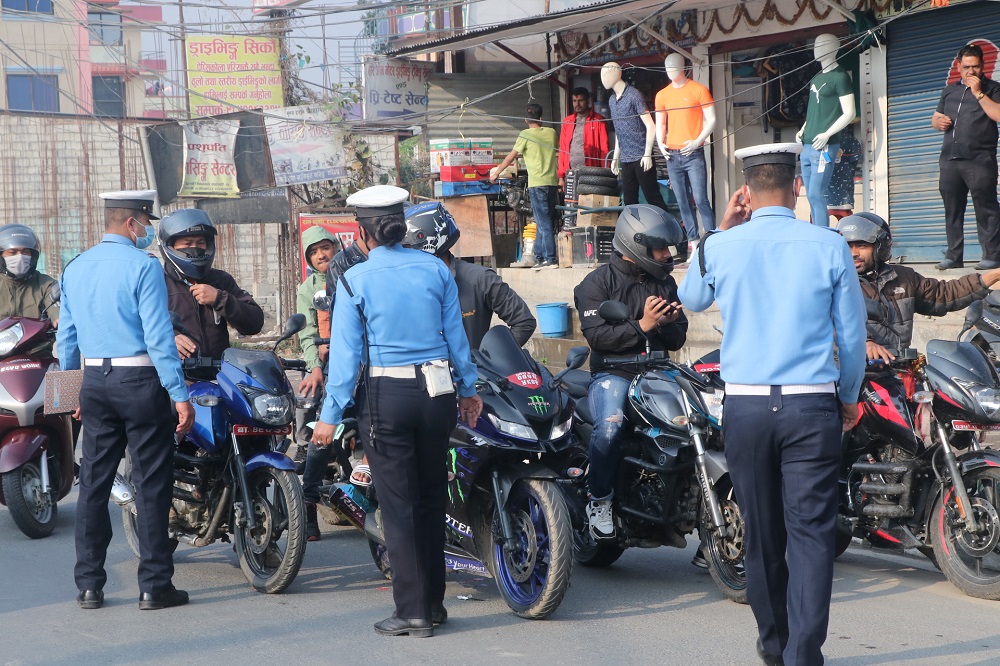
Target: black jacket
x=973 y=134
x=481 y=292
x=623 y=281
x=208 y=323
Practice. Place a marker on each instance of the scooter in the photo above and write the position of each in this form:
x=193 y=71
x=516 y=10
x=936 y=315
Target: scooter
x=36 y=449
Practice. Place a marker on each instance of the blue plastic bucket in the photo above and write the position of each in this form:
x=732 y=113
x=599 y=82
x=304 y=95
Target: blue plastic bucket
x=553 y=319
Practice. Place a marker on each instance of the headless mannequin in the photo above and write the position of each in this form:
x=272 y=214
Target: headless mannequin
x=687 y=170
x=816 y=176
x=611 y=79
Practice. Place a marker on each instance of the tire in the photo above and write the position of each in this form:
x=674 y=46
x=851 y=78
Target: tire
x=595 y=189
x=970 y=561
x=598 y=181
x=594 y=553
x=602 y=172
x=33 y=513
x=381 y=556
x=843 y=538
x=725 y=556
x=270 y=555
x=534 y=576
x=131 y=523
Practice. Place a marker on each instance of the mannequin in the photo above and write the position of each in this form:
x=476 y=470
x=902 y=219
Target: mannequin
x=635 y=132
x=831 y=109
x=685 y=118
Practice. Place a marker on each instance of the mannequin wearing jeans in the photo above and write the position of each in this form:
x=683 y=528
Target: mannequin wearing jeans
x=831 y=109
x=685 y=118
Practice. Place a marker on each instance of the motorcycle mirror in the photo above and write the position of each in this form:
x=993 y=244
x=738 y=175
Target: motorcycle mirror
x=993 y=299
x=576 y=357
x=294 y=324
x=55 y=292
x=613 y=312
x=321 y=301
x=972 y=315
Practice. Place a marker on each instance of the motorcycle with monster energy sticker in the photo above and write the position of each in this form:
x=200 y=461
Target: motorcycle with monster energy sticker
x=507 y=517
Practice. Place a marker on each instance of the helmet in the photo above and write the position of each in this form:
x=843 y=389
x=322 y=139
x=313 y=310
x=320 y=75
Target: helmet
x=868 y=228
x=18 y=236
x=431 y=228
x=190 y=262
x=642 y=228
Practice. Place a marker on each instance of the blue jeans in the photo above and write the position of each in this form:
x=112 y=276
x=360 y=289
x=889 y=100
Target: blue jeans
x=543 y=207
x=607 y=396
x=689 y=174
x=818 y=183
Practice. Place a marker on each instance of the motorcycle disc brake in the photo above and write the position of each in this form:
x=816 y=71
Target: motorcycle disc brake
x=983 y=543
x=521 y=559
x=260 y=537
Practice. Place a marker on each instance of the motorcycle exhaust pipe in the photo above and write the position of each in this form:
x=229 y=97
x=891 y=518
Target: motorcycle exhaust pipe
x=123 y=494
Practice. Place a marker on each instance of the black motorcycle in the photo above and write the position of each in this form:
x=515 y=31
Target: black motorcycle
x=918 y=434
x=673 y=476
x=506 y=513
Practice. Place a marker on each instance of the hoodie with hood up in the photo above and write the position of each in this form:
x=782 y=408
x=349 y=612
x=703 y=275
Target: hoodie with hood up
x=317 y=322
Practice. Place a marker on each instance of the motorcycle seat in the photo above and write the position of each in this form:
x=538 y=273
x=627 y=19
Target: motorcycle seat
x=576 y=383
x=583 y=412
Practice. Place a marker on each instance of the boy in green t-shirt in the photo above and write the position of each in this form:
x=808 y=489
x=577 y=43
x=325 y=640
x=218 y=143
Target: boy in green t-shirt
x=538 y=146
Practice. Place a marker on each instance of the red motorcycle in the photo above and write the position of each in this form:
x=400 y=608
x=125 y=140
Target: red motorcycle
x=36 y=449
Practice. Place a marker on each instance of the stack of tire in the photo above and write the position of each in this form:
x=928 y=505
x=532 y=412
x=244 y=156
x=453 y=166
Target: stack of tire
x=596 y=180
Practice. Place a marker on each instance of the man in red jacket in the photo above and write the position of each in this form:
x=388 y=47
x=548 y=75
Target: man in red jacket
x=583 y=140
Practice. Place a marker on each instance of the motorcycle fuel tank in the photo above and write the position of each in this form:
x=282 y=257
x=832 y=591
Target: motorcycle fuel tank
x=658 y=399
x=962 y=375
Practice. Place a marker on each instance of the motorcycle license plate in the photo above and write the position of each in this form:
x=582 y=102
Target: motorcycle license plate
x=248 y=431
x=965 y=425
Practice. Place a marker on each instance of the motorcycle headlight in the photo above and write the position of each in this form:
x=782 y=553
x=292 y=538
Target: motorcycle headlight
x=10 y=337
x=275 y=410
x=987 y=397
x=513 y=429
x=560 y=429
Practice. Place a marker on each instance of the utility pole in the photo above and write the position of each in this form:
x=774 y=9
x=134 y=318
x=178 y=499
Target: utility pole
x=184 y=59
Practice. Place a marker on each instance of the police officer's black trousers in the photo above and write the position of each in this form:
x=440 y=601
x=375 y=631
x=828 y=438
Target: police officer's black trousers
x=408 y=461
x=784 y=454
x=126 y=406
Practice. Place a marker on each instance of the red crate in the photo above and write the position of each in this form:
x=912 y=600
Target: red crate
x=458 y=174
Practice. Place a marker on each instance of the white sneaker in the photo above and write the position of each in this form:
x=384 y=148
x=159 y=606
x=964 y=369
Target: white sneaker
x=602 y=524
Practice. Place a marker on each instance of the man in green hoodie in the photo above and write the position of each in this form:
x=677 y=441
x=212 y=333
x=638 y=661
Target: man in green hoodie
x=318 y=247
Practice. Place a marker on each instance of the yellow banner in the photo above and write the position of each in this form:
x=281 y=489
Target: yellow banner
x=227 y=74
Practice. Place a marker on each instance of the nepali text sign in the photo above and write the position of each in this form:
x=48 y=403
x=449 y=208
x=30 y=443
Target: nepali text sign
x=230 y=73
x=209 y=163
x=395 y=87
x=306 y=146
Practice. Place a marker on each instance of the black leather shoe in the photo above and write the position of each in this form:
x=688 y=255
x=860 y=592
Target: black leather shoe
x=398 y=626
x=90 y=599
x=766 y=658
x=948 y=264
x=986 y=265
x=166 y=599
x=439 y=615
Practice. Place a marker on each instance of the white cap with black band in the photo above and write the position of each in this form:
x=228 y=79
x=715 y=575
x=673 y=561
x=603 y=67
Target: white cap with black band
x=141 y=201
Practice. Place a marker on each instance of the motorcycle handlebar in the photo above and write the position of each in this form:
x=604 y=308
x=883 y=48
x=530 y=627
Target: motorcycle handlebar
x=321 y=341
x=200 y=362
x=293 y=364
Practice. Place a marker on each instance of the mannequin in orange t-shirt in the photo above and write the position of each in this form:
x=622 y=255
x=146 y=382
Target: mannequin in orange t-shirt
x=685 y=118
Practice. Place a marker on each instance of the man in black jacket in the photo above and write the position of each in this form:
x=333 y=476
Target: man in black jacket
x=639 y=276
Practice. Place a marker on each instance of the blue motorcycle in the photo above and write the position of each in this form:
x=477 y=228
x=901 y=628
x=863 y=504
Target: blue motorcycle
x=231 y=474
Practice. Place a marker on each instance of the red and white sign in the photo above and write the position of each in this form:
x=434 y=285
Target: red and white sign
x=525 y=379
x=965 y=425
x=707 y=367
x=243 y=430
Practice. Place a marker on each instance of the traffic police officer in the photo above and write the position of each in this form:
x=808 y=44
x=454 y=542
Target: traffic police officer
x=791 y=286
x=407 y=398
x=114 y=314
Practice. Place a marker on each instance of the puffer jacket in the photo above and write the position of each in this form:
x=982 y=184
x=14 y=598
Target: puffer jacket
x=903 y=293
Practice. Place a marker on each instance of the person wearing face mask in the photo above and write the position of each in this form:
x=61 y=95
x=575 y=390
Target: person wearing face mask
x=115 y=323
x=24 y=291
x=206 y=299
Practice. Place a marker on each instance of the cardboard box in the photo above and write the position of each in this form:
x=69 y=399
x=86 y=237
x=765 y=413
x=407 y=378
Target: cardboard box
x=482 y=156
x=449 y=158
x=592 y=245
x=450 y=144
x=564 y=248
x=607 y=219
x=598 y=200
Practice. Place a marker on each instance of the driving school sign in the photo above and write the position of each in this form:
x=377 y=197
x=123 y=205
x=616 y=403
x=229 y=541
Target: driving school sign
x=395 y=87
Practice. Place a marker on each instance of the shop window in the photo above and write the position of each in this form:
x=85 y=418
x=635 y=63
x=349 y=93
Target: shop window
x=29 y=92
x=105 y=28
x=109 y=96
x=37 y=6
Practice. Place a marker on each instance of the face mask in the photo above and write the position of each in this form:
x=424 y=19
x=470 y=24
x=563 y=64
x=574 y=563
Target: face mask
x=142 y=242
x=18 y=265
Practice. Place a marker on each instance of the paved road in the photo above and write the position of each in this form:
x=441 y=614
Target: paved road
x=652 y=607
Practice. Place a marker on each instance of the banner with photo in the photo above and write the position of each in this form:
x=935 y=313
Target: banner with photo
x=209 y=165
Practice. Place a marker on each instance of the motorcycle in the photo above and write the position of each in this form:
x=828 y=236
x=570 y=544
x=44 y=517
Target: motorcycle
x=915 y=474
x=506 y=515
x=36 y=449
x=673 y=476
x=231 y=474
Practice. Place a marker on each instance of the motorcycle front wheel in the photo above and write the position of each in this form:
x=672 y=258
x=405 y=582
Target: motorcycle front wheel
x=725 y=554
x=970 y=560
x=33 y=512
x=271 y=553
x=533 y=572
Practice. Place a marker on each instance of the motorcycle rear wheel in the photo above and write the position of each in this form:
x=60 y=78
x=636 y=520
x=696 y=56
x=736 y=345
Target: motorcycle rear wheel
x=970 y=561
x=591 y=552
x=534 y=575
x=32 y=512
x=270 y=555
x=725 y=556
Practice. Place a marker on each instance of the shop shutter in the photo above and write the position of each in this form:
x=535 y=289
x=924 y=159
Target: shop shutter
x=921 y=50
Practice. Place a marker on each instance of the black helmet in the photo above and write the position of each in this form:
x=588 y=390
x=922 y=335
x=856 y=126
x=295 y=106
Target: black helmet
x=868 y=228
x=642 y=228
x=17 y=236
x=431 y=228
x=190 y=262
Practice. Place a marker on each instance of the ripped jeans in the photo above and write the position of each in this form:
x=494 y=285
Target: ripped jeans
x=607 y=397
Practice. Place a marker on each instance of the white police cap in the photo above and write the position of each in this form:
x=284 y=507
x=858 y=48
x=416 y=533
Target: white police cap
x=378 y=200
x=769 y=153
x=137 y=200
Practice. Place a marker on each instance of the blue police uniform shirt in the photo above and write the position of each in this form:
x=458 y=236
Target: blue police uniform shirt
x=411 y=304
x=114 y=305
x=784 y=287
x=630 y=132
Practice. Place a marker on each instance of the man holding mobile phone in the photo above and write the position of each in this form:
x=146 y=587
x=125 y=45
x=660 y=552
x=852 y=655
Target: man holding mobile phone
x=968 y=114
